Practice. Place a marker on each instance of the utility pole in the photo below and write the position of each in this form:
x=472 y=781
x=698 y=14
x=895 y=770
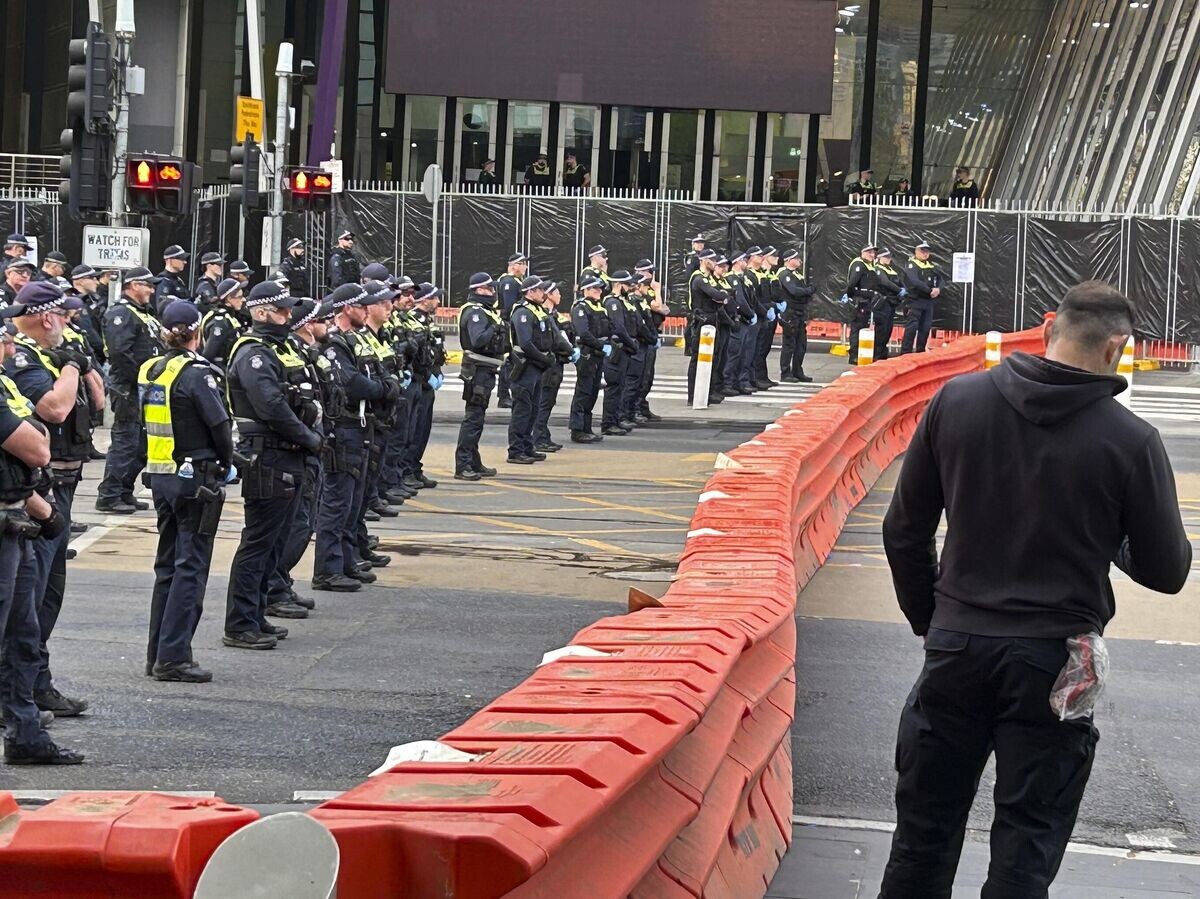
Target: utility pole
x=125 y=32
x=283 y=71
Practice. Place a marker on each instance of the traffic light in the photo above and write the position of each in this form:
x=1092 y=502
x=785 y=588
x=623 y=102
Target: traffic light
x=87 y=140
x=158 y=185
x=307 y=189
x=243 y=173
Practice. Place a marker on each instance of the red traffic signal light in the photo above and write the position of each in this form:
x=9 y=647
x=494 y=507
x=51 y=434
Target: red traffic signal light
x=308 y=189
x=158 y=185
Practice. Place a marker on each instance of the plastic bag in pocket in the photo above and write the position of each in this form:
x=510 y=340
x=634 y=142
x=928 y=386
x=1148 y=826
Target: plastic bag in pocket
x=1082 y=679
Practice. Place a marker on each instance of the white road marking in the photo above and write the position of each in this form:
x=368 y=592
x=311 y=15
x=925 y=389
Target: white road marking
x=315 y=795
x=51 y=795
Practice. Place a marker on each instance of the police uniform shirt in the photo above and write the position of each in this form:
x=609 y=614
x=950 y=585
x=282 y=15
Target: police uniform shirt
x=861 y=277
x=196 y=388
x=480 y=328
x=920 y=278
x=584 y=313
x=260 y=376
x=344 y=267
x=592 y=272
x=129 y=342
x=8 y=296
x=297 y=275
x=508 y=292
x=32 y=378
x=615 y=306
x=220 y=329
x=574 y=177
x=741 y=297
x=9 y=420
x=206 y=292
x=530 y=332
x=797 y=293
x=350 y=370
x=170 y=285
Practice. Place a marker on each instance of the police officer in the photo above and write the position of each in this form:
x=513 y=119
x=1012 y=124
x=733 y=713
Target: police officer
x=213 y=271
x=223 y=324
x=865 y=186
x=24 y=450
x=862 y=284
x=923 y=281
x=650 y=291
x=708 y=303
x=171 y=284
x=965 y=191
x=17 y=246
x=378 y=305
x=487 y=175
x=396 y=333
x=769 y=298
x=84 y=284
x=342 y=501
x=533 y=352
x=344 y=267
x=593 y=333
x=428 y=354
x=597 y=266
x=240 y=270
x=131 y=336
x=508 y=292
x=310 y=324
x=58 y=378
x=625 y=347
x=691 y=262
x=757 y=290
x=483 y=336
x=563 y=351
x=738 y=367
x=294 y=268
x=796 y=297
x=889 y=296
x=18 y=271
x=277 y=415
x=54 y=265
x=189 y=458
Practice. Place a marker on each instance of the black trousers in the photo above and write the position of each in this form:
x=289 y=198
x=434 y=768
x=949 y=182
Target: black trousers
x=631 y=393
x=420 y=426
x=648 y=378
x=299 y=535
x=883 y=319
x=795 y=345
x=552 y=379
x=526 y=397
x=181 y=566
x=766 y=337
x=339 y=508
x=917 y=327
x=391 y=472
x=19 y=639
x=587 y=391
x=125 y=461
x=476 y=394
x=504 y=391
x=615 y=367
x=45 y=578
x=976 y=696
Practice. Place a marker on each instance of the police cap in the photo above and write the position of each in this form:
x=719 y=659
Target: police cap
x=644 y=265
x=18 y=240
x=706 y=254
x=21 y=262
x=346 y=295
x=181 y=315
x=38 y=297
x=268 y=293
x=175 y=251
x=56 y=256
x=517 y=257
x=480 y=280
x=239 y=267
x=378 y=292
x=598 y=250
x=228 y=287
x=428 y=291
x=533 y=282
x=83 y=271
x=304 y=312
x=591 y=282
x=376 y=271
x=140 y=275
x=212 y=259
x=620 y=277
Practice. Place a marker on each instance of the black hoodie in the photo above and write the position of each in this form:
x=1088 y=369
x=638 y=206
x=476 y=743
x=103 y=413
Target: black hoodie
x=1045 y=480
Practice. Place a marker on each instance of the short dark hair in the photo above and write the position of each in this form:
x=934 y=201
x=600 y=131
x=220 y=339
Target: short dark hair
x=1093 y=312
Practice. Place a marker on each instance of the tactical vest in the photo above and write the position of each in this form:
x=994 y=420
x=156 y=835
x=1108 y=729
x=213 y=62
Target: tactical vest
x=597 y=318
x=497 y=346
x=543 y=337
x=156 y=411
x=295 y=376
x=70 y=439
x=17 y=480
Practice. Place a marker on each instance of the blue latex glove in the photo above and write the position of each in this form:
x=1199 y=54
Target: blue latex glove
x=781 y=307
x=607 y=350
x=407 y=381
x=575 y=354
x=903 y=292
x=231 y=475
x=753 y=320
x=844 y=299
x=432 y=381
x=771 y=314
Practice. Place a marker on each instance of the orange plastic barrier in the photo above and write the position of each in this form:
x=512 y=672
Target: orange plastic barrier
x=112 y=844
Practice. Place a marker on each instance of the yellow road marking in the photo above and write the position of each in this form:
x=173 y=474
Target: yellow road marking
x=604 y=504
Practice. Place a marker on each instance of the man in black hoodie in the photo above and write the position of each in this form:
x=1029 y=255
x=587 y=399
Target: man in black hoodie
x=1045 y=480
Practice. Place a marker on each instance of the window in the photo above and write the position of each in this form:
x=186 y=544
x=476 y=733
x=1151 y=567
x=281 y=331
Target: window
x=840 y=130
x=475 y=138
x=683 y=130
x=630 y=143
x=527 y=123
x=735 y=155
x=896 y=64
x=577 y=130
x=787 y=140
x=424 y=124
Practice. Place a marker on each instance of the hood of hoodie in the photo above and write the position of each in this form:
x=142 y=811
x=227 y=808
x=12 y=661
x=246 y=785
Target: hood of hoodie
x=1046 y=392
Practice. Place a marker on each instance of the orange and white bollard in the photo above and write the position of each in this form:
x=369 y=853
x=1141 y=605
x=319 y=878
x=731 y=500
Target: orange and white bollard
x=866 y=346
x=1125 y=370
x=992 y=355
x=704 y=363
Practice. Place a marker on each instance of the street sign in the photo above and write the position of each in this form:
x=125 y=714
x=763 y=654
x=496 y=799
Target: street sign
x=335 y=169
x=268 y=232
x=250 y=116
x=106 y=247
x=432 y=185
x=964 y=268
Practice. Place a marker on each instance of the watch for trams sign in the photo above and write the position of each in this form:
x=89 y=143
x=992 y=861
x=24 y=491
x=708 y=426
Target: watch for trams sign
x=105 y=247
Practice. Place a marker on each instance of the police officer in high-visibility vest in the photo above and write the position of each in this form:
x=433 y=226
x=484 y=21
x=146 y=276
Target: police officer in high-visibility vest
x=427 y=352
x=656 y=311
x=171 y=284
x=533 y=352
x=770 y=297
x=483 y=336
x=58 y=378
x=923 y=281
x=861 y=291
x=563 y=352
x=593 y=335
x=624 y=317
x=131 y=336
x=890 y=294
x=24 y=451
x=278 y=419
x=213 y=271
x=395 y=334
x=189 y=458
x=796 y=297
x=597 y=267
x=708 y=304
x=378 y=306
x=223 y=324
x=508 y=294
x=738 y=365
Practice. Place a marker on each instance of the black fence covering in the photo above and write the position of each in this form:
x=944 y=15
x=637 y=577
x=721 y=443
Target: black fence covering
x=1024 y=262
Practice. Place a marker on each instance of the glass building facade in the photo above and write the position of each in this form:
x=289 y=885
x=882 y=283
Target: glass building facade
x=919 y=88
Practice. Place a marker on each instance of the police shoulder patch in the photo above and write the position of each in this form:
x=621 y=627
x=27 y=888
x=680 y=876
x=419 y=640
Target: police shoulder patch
x=21 y=360
x=117 y=320
x=256 y=362
x=217 y=331
x=211 y=381
x=331 y=353
x=474 y=318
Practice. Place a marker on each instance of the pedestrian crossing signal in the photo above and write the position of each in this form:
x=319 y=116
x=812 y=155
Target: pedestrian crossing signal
x=158 y=185
x=309 y=189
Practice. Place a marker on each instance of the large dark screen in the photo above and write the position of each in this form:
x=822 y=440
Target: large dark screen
x=773 y=55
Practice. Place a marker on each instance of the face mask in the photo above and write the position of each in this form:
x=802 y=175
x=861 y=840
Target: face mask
x=274 y=331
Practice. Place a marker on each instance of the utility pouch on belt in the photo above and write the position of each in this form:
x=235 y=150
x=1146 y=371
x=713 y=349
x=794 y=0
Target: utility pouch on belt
x=210 y=500
x=15 y=522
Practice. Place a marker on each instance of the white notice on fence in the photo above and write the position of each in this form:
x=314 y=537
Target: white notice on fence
x=964 y=268
x=105 y=247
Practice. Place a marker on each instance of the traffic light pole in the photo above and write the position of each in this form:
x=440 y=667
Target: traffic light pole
x=125 y=33
x=283 y=70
